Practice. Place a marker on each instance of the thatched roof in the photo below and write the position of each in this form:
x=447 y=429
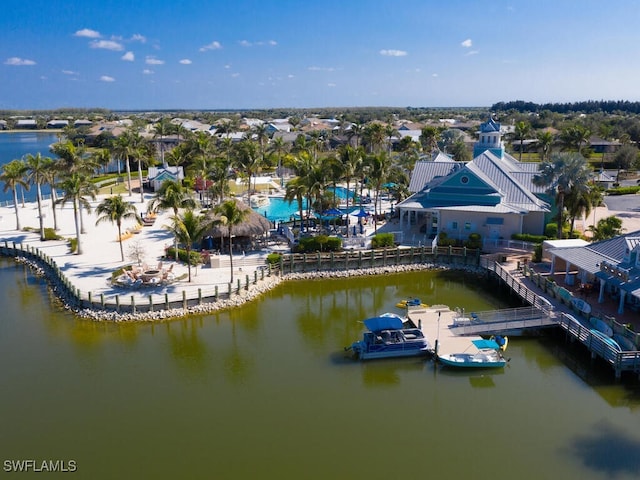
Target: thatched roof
x=254 y=224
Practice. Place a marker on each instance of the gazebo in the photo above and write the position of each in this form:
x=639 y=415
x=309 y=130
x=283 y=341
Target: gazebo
x=244 y=234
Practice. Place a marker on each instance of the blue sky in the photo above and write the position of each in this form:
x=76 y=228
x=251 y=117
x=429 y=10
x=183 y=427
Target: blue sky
x=240 y=54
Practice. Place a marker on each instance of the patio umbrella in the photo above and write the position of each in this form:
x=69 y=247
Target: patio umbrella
x=361 y=213
x=332 y=212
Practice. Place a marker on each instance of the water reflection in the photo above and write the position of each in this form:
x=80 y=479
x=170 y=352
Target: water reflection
x=608 y=450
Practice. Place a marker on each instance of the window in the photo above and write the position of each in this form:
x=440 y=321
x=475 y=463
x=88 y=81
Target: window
x=467 y=225
x=454 y=225
x=464 y=179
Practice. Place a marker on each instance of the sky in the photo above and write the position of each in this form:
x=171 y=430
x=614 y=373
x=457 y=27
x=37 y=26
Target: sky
x=244 y=54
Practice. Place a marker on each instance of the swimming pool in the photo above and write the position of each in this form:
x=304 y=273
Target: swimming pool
x=279 y=209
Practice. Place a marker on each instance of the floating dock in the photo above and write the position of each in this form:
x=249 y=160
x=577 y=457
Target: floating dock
x=436 y=322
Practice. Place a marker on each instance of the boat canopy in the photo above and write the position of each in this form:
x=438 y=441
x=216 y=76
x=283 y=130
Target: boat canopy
x=377 y=324
x=484 y=344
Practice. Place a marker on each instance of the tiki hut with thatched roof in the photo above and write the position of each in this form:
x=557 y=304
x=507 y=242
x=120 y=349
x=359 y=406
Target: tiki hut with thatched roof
x=245 y=234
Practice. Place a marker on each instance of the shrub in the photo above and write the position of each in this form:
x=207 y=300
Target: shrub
x=445 y=241
x=527 y=237
x=537 y=253
x=73 y=245
x=382 y=240
x=196 y=258
x=50 y=234
x=551 y=230
x=273 y=258
x=623 y=190
x=319 y=243
x=474 y=241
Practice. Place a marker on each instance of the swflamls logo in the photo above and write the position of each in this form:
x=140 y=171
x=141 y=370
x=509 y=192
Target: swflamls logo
x=30 y=465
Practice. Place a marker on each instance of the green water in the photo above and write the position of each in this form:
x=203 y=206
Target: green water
x=265 y=391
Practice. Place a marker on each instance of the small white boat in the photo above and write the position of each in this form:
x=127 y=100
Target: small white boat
x=487 y=356
x=387 y=338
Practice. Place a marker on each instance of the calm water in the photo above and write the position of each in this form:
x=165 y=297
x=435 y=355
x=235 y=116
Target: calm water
x=17 y=145
x=265 y=391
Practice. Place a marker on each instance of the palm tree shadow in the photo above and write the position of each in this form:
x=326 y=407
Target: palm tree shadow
x=608 y=450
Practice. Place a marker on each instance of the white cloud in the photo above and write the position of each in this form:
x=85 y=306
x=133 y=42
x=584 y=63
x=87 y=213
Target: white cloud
x=146 y=71
x=235 y=75
x=291 y=75
x=321 y=69
x=273 y=43
x=186 y=61
x=215 y=45
x=128 y=57
x=151 y=60
x=18 y=62
x=472 y=52
x=139 y=38
x=331 y=85
x=245 y=43
x=87 y=33
x=393 y=53
x=434 y=75
x=107 y=78
x=227 y=66
x=70 y=72
x=107 y=45
x=467 y=43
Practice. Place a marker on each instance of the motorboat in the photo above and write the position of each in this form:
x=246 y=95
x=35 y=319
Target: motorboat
x=387 y=338
x=487 y=356
x=257 y=201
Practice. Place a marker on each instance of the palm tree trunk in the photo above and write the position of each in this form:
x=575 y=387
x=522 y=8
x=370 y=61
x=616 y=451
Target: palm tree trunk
x=120 y=241
x=39 y=198
x=348 y=234
x=189 y=261
x=560 y=212
x=126 y=161
x=140 y=180
x=231 y=255
x=77 y=221
x=15 y=207
x=54 y=199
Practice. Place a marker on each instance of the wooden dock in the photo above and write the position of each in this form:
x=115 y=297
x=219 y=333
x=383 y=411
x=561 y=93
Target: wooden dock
x=436 y=323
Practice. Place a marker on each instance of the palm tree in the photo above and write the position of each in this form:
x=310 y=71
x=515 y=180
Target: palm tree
x=380 y=170
x=606 y=228
x=13 y=175
x=374 y=136
x=248 y=161
x=114 y=210
x=36 y=174
x=124 y=150
x=351 y=159
x=545 y=142
x=161 y=129
x=521 y=131
x=429 y=138
x=279 y=147
x=75 y=187
x=231 y=215
x=564 y=172
x=296 y=190
x=171 y=195
x=189 y=228
x=50 y=176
